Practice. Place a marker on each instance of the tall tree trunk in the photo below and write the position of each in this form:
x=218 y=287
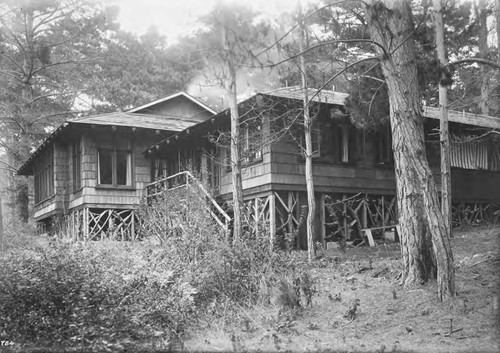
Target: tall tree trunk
x=235 y=136
x=497 y=17
x=390 y=25
x=311 y=201
x=497 y=20
x=443 y=126
x=482 y=17
x=21 y=189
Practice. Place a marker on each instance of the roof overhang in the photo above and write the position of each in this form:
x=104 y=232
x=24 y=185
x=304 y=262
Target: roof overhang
x=133 y=121
x=334 y=98
x=484 y=121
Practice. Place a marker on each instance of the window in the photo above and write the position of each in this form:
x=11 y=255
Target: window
x=114 y=167
x=384 y=153
x=159 y=170
x=344 y=143
x=77 y=166
x=252 y=143
x=44 y=176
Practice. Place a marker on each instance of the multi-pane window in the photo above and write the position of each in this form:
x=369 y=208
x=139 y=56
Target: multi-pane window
x=77 y=165
x=252 y=143
x=44 y=176
x=114 y=167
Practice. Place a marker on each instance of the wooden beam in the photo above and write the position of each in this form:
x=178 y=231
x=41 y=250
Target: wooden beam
x=272 y=218
x=290 y=212
x=323 y=220
x=85 y=223
x=344 y=205
x=464 y=118
x=257 y=216
x=365 y=213
x=368 y=234
x=132 y=227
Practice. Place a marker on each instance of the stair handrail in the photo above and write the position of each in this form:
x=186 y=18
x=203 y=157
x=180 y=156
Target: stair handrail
x=208 y=195
x=200 y=185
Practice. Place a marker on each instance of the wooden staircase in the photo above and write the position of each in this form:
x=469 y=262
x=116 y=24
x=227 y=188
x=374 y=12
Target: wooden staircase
x=187 y=180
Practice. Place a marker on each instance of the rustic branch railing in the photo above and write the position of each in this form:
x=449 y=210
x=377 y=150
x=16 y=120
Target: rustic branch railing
x=186 y=179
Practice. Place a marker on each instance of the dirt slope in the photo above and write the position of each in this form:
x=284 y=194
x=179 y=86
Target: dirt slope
x=389 y=318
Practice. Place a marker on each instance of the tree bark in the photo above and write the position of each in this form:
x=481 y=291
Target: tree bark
x=235 y=136
x=390 y=25
x=443 y=126
x=311 y=201
x=497 y=17
x=481 y=16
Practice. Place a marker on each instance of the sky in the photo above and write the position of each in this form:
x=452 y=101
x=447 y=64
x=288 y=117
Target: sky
x=176 y=17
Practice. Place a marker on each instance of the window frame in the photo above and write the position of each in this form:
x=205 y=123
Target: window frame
x=114 y=168
x=44 y=177
x=76 y=160
x=250 y=154
x=344 y=144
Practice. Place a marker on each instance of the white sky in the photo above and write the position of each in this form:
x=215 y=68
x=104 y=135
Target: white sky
x=176 y=17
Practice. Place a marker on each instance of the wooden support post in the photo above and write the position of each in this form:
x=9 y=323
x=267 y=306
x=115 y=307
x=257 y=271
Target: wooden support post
x=383 y=211
x=323 y=220
x=132 y=226
x=290 y=212
x=257 y=216
x=272 y=218
x=365 y=213
x=344 y=205
x=298 y=209
x=85 y=224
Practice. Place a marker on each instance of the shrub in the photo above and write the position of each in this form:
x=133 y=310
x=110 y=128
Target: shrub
x=109 y=295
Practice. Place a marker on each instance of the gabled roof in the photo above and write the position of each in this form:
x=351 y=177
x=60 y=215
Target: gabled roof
x=119 y=119
x=338 y=98
x=161 y=122
x=144 y=121
x=181 y=93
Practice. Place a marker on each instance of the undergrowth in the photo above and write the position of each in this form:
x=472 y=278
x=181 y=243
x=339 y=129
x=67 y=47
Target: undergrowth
x=112 y=295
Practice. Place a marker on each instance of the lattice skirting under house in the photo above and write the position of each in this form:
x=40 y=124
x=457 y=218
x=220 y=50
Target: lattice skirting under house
x=98 y=224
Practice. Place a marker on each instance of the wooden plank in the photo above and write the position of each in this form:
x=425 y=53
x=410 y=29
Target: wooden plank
x=335 y=183
x=368 y=234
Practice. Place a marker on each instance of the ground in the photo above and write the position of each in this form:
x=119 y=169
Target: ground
x=389 y=318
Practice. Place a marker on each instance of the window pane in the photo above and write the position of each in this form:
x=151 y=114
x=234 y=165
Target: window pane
x=123 y=172
x=105 y=167
x=77 y=166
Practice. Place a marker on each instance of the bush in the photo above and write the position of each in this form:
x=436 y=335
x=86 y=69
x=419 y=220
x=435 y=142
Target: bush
x=109 y=295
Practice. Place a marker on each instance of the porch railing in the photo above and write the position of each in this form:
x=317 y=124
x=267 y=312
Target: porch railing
x=183 y=180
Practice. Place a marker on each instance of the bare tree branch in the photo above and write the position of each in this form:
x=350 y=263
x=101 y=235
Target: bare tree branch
x=475 y=60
